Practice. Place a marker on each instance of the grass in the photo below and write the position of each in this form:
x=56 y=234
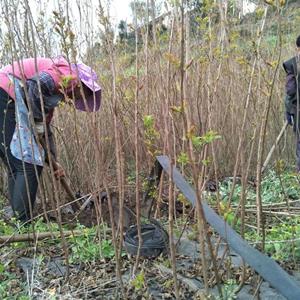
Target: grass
x=11 y=288
x=88 y=250
x=282 y=241
x=275 y=188
x=85 y=249
x=281 y=232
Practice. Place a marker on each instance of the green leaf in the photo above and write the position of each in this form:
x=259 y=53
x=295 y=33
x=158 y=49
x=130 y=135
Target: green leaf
x=108 y=250
x=2 y=268
x=65 y=81
x=229 y=217
x=197 y=141
x=277 y=247
x=148 y=121
x=139 y=281
x=183 y=158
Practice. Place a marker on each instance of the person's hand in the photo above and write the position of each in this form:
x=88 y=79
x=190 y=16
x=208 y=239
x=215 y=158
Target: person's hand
x=39 y=127
x=59 y=171
x=290 y=118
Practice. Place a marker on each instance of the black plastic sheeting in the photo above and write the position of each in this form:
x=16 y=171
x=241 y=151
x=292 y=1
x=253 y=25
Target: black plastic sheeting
x=154 y=240
x=262 y=264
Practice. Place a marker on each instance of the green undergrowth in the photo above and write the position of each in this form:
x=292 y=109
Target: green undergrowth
x=93 y=243
x=88 y=246
x=10 y=286
x=281 y=232
x=274 y=188
x=282 y=240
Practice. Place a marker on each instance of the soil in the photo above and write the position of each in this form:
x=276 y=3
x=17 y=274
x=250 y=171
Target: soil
x=97 y=280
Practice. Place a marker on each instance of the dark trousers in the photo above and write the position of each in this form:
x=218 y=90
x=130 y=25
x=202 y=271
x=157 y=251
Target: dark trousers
x=298 y=152
x=22 y=177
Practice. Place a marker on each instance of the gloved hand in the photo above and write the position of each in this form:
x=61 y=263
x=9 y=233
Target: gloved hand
x=290 y=118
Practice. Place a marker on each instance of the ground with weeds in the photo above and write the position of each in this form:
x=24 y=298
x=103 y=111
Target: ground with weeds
x=38 y=270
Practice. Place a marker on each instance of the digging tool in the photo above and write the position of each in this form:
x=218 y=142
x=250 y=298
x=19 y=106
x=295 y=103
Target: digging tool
x=64 y=182
x=62 y=179
x=284 y=127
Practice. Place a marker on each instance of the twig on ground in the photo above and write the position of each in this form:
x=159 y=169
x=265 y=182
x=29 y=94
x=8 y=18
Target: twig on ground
x=28 y=237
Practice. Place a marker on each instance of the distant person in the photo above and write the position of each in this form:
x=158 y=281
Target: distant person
x=37 y=86
x=292 y=90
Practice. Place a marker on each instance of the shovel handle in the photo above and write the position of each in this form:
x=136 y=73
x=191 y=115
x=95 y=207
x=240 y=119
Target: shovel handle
x=63 y=181
x=274 y=146
x=55 y=166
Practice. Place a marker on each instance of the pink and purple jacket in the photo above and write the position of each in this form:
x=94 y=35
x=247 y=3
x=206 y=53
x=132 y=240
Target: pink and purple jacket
x=58 y=68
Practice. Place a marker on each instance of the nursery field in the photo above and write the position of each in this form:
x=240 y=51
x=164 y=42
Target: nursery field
x=184 y=184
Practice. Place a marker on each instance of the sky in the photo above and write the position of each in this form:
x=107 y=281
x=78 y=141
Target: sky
x=120 y=10
x=85 y=28
x=249 y=7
